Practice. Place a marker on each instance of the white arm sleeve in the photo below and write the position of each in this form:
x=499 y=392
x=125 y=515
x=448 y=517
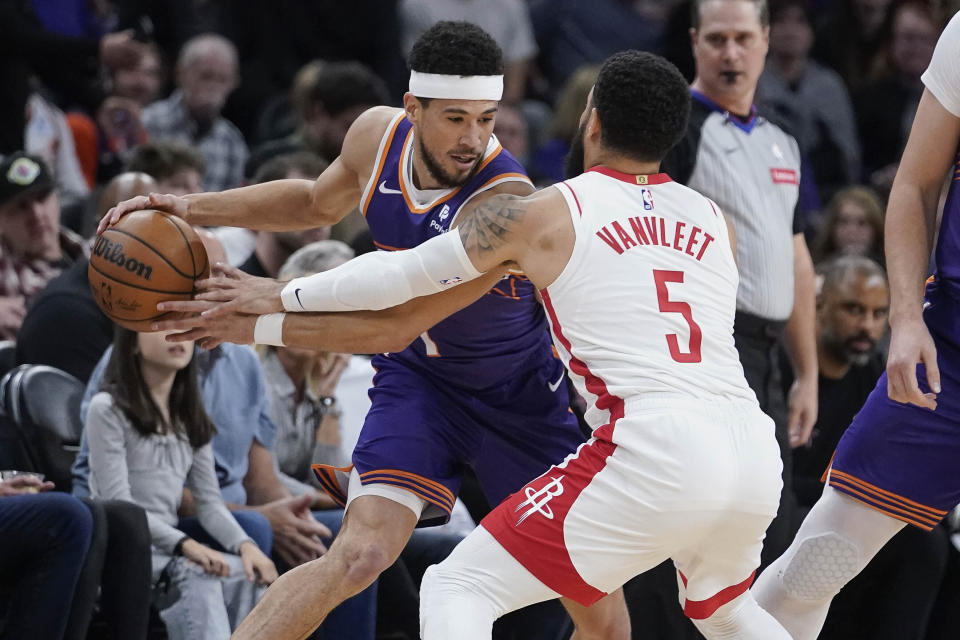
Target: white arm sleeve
x=942 y=77
x=382 y=279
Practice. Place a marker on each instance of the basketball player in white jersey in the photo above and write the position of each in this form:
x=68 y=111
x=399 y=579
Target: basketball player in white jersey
x=638 y=278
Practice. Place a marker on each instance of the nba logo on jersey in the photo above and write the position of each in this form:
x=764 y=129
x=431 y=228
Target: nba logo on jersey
x=647 y=197
x=444 y=212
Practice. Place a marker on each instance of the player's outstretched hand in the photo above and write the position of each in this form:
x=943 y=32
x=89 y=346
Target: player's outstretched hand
x=207 y=332
x=910 y=345
x=239 y=292
x=159 y=201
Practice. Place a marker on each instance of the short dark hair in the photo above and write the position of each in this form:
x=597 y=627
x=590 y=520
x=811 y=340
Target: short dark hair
x=123 y=379
x=161 y=159
x=643 y=103
x=456 y=49
x=338 y=86
x=763 y=11
x=837 y=269
x=277 y=168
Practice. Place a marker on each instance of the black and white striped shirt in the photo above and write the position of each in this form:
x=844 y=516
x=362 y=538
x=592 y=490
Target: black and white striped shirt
x=751 y=169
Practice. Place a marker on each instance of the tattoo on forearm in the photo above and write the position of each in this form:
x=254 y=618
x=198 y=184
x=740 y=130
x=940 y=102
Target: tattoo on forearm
x=489 y=225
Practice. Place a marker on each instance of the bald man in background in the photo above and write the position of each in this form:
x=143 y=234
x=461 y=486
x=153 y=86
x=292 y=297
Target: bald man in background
x=64 y=327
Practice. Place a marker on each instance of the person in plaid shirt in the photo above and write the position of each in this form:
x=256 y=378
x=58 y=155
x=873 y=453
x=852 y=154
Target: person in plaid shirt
x=33 y=246
x=206 y=74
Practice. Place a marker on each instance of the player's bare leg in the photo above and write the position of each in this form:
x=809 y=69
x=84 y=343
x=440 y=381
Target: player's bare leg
x=374 y=532
x=607 y=619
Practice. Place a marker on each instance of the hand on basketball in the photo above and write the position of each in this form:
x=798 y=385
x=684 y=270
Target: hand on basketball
x=802 y=403
x=207 y=332
x=238 y=292
x=910 y=345
x=161 y=202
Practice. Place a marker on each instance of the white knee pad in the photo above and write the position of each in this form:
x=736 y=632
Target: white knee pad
x=821 y=566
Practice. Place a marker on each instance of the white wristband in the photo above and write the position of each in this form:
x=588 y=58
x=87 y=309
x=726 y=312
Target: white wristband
x=269 y=329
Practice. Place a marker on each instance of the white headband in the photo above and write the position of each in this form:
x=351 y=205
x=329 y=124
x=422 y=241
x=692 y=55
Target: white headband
x=445 y=87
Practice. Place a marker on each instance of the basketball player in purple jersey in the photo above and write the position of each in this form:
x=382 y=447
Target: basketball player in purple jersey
x=481 y=388
x=897 y=462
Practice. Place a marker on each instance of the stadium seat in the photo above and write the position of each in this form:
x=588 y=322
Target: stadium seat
x=44 y=405
x=7 y=355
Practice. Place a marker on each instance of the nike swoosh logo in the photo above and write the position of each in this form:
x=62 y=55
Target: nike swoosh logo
x=553 y=385
x=296 y=292
x=383 y=189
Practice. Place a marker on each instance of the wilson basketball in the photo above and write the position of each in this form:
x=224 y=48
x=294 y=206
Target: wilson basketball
x=146 y=258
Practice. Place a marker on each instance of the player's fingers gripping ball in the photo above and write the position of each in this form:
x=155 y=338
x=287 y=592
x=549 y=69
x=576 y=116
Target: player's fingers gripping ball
x=146 y=258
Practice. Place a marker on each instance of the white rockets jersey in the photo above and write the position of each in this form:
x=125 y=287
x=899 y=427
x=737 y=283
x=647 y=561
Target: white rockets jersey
x=647 y=300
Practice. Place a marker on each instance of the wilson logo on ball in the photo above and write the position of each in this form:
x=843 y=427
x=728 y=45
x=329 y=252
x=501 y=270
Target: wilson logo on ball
x=113 y=252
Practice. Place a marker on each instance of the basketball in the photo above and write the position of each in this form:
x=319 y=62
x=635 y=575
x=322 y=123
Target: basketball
x=146 y=258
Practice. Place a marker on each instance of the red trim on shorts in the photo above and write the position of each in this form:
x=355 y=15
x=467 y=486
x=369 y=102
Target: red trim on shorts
x=703 y=609
x=530 y=523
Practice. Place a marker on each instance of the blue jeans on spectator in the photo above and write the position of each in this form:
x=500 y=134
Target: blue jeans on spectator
x=355 y=618
x=255 y=524
x=45 y=538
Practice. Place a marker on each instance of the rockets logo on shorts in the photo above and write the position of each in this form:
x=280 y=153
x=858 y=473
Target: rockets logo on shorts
x=538 y=499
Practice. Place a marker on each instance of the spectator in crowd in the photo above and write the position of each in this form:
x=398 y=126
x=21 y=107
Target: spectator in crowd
x=302 y=387
x=140 y=82
x=852 y=224
x=272 y=249
x=233 y=395
x=48 y=136
x=511 y=131
x=45 y=540
x=886 y=106
x=206 y=73
x=507 y=21
x=177 y=167
x=810 y=99
x=326 y=97
x=75 y=346
x=275 y=41
x=33 y=246
x=900 y=584
x=149 y=436
x=549 y=158
x=850 y=39
x=751 y=168
x=105 y=141
x=68 y=66
x=571 y=34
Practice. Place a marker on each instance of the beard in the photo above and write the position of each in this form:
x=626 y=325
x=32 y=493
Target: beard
x=441 y=175
x=843 y=349
x=573 y=163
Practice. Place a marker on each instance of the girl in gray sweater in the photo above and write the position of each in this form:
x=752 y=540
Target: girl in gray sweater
x=149 y=436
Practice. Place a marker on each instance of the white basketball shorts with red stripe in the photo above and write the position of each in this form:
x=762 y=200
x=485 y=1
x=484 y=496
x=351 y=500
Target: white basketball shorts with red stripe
x=694 y=480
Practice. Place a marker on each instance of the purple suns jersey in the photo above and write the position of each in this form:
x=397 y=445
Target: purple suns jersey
x=500 y=335
x=947 y=257
x=942 y=80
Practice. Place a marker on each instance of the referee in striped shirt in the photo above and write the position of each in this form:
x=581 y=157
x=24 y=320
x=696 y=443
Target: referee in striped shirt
x=751 y=168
